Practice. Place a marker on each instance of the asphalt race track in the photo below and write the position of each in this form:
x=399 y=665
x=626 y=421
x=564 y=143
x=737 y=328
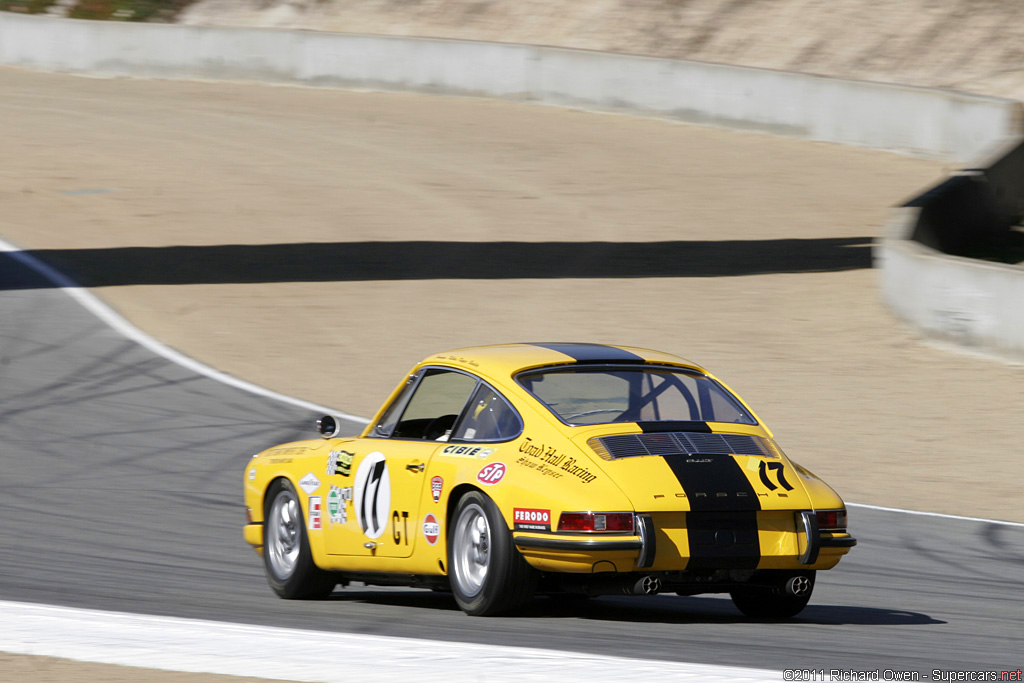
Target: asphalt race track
x=120 y=490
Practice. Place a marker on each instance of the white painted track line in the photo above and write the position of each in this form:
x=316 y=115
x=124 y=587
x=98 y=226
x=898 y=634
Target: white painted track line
x=112 y=318
x=193 y=645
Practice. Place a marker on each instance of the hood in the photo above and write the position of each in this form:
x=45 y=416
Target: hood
x=699 y=471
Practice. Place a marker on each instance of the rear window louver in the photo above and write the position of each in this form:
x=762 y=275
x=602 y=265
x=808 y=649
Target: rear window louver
x=679 y=443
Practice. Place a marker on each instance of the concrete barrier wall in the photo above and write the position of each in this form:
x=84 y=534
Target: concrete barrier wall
x=976 y=304
x=919 y=121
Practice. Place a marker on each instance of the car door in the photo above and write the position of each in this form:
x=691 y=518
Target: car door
x=385 y=472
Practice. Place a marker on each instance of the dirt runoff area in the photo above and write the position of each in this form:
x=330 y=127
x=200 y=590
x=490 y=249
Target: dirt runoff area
x=379 y=214
x=959 y=44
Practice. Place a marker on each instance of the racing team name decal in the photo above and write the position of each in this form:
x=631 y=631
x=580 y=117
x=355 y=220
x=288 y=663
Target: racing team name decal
x=491 y=474
x=549 y=461
x=529 y=519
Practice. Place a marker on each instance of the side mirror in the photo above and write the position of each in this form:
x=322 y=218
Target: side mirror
x=328 y=426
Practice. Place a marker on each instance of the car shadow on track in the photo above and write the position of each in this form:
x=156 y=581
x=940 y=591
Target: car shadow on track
x=665 y=609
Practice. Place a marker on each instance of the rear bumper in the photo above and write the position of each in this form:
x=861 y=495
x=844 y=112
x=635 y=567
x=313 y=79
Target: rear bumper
x=678 y=542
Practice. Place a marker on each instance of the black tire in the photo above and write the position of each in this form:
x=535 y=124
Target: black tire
x=291 y=572
x=775 y=602
x=487 y=573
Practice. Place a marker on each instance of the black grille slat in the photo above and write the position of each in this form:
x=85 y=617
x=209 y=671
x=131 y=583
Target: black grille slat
x=681 y=443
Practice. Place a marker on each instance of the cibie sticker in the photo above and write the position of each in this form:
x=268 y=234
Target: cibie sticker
x=436 y=486
x=372 y=494
x=431 y=529
x=530 y=519
x=309 y=483
x=491 y=474
x=315 y=513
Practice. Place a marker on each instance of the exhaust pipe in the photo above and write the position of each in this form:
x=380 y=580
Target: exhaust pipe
x=798 y=586
x=630 y=585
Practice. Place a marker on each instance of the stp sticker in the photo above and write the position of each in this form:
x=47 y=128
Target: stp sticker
x=315 y=513
x=531 y=519
x=372 y=494
x=436 y=484
x=491 y=474
x=309 y=483
x=431 y=529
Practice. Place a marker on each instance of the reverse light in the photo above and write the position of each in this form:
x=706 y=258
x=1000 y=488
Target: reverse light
x=596 y=521
x=831 y=520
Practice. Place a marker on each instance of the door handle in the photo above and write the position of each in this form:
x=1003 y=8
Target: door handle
x=417 y=467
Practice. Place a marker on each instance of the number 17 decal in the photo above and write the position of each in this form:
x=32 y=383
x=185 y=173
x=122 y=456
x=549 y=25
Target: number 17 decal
x=777 y=469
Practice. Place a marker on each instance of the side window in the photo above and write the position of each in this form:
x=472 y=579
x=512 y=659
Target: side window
x=488 y=418
x=436 y=403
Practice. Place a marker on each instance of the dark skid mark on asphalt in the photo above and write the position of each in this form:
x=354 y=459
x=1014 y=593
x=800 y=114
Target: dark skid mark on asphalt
x=426 y=260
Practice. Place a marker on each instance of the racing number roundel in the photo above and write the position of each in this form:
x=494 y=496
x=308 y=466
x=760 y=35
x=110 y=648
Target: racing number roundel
x=372 y=494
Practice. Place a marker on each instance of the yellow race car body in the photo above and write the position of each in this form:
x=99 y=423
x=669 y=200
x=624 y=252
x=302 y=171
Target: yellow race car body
x=505 y=470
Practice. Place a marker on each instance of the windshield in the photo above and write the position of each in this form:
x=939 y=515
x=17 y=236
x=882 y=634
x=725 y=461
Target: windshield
x=601 y=394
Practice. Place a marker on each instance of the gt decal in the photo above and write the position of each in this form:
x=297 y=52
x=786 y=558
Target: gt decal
x=436 y=485
x=315 y=512
x=339 y=462
x=431 y=529
x=337 y=504
x=529 y=519
x=398 y=534
x=777 y=468
x=372 y=494
x=491 y=474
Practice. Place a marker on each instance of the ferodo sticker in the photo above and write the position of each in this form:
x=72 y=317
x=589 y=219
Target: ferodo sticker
x=431 y=529
x=491 y=474
x=315 y=513
x=530 y=519
x=372 y=494
x=436 y=485
x=309 y=483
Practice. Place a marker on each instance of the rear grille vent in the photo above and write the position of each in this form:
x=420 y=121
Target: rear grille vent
x=679 y=443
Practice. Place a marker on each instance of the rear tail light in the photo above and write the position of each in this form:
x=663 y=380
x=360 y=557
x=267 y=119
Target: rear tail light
x=831 y=520
x=596 y=521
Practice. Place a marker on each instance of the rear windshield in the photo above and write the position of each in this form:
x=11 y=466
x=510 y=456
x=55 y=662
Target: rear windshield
x=601 y=394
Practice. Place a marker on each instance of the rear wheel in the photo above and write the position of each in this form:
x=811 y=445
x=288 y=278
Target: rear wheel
x=291 y=572
x=487 y=573
x=782 y=601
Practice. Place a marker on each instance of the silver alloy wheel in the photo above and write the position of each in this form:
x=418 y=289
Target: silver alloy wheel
x=283 y=530
x=471 y=554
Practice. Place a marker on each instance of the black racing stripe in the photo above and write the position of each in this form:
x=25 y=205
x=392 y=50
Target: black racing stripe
x=593 y=353
x=723 y=540
x=674 y=426
x=713 y=482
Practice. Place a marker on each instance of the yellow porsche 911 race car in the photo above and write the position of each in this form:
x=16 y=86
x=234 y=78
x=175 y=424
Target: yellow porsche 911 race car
x=499 y=472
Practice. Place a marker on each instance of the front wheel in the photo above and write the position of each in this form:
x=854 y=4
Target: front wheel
x=487 y=573
x=291 y=572
x=782 y=601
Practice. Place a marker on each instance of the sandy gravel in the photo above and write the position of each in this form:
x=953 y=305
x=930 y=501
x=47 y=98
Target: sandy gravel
x=102 y=164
